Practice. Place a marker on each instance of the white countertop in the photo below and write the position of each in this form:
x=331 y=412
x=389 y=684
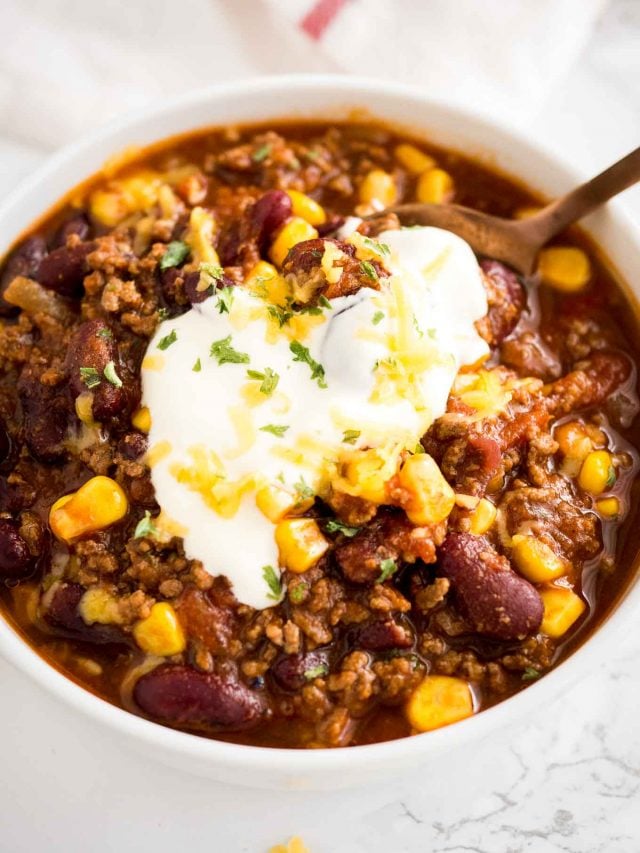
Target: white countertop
x=568 y=780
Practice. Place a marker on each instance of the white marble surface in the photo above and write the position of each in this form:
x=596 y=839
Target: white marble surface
x=567 y=780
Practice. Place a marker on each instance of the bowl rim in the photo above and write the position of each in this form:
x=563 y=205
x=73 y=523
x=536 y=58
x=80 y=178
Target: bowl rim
x=18 y=652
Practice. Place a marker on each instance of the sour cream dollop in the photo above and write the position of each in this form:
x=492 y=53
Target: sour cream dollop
x=240 y=403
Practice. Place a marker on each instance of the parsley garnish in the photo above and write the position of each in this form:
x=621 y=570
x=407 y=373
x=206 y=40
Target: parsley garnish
x=369 y=270
x=378 y=248
x=316 y=671
x=224 y=353
x=145 y=527
x=171 y=338
x=301 y=353
x=274 y=429
x=335 y=526
x=303 y=489
x=377 y=317
x=197 y=367
x=273 y=582
x=111 y=376
x=316 y=310
x=176 y=253
x=163 y=313
x=298 y=592
x=279 y=314
x=90 y=377
x=105 y=333
x=261 y=153
x=387 y=568
x=530 y=674
x=212 y=271
x=269 y=380
x=350 y=436
x=225 y=299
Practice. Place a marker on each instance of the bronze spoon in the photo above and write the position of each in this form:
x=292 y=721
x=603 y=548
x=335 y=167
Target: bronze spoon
x=517 y=242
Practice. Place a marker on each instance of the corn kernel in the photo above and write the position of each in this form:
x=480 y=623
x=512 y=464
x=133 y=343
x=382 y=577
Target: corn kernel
x=573 y=439
x=266 y=282
x=434 y=187
x=439 y=700
x=483 y=517
x=566 y=268
x=141 y=419
x=277 y=501
x=431 y=498
x=300 y=544
x=413 y=159
x=305 y=207
x=99 y=503
x=536 y=560
x=561 y=609
x=378 y=186
x=597 y=472
x=608 y=507
x=99 y=605
x=84 y=408
x=160 y=633
x=295 y=231
x=108 y=207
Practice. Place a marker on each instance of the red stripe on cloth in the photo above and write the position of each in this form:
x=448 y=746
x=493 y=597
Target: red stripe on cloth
x=318 y=18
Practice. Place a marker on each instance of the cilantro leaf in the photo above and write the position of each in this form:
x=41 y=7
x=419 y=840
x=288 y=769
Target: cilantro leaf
x=261 y=153
x=316 y=671
x=105 y=333
x=225 y=299
x=377 y=317
x=350 y=436
x=111 y=376
x=274 y=429
x=303 y=489
x=301 y=353
x=197 y=367
x=176 y=253
x=335 y=526
x=375 y=246
x=224 y=353
x=530 y=674
x=171 y=338
x=272 y=580
x=269 y=380
x=298 y=592
x=90 y=377
x=145 y=527
x=279 y=314
x=387 y=568
x=369 y=270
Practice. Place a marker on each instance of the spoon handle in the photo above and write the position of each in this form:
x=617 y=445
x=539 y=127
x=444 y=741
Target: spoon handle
x=585 y=198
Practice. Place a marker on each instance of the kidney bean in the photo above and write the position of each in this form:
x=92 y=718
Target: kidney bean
x=292 y=672
x=93 y=345
x=5 y=443
x=16 y=560
x=187 y=697
x=23 y=261
x=268 y=214
x=64 y=269
x=331 y=225
x=46 y=411
x=132 y=445
x=77 y=225
x=382 y=636
x=495 y=600
x=62 y=614
x=506 y=299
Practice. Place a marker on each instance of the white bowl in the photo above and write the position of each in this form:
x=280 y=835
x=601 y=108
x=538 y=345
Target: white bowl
x=326 y=97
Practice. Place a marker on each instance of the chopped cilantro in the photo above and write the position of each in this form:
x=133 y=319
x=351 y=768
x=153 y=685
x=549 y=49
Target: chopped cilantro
x=530 y=674
x=214 y=272
x=377 y=317
x=298 y=592
x=301 y=353
x=335 y=526
x=261 y=153
x=111 y=376
x=224 y=353
x=225 y=299
x=417 y=327
x=274 y=429
x=324 y=302
x=105 y=333
x=350 y=436
x=303 y=489
x=279 y=314
x=197 y=367
x=90 y=377
x=418 y=449
x=316 y=310
x=171 y=338
x=163 y=313
x=611 y=477
x=145 y=527
x=268 y=380
x=378 y=248
x=273 y=582
x=316 y=671
x=369 y=270
x=387 y=568
x=176 y=254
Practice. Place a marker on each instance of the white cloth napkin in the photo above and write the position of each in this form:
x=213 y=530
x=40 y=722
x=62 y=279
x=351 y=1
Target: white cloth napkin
x=68 y=65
